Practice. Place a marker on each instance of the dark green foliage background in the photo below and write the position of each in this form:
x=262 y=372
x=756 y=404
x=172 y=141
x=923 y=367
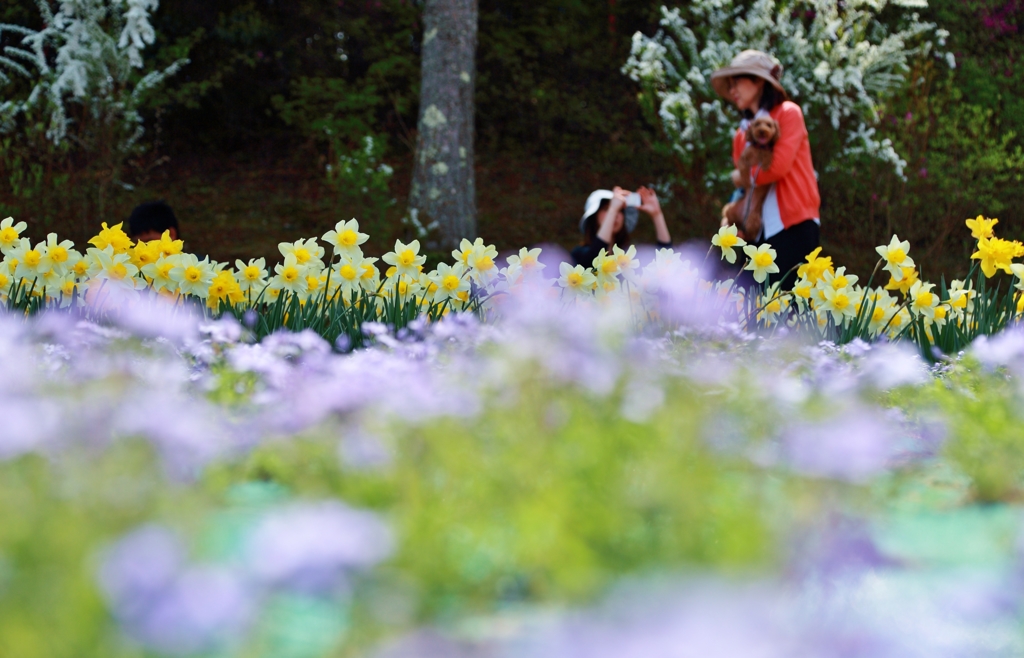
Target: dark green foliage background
x=555 y=117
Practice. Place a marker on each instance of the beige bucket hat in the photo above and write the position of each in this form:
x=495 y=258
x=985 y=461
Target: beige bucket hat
x=749 y=62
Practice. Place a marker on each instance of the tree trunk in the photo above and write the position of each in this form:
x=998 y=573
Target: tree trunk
x=443 y=183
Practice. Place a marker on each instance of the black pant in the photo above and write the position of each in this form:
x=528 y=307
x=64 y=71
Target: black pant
x=791 y=248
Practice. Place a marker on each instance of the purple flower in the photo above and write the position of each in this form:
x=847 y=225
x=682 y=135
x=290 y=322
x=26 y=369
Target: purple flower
x=313 y=547
x=892 y=365
x=855 y=446
x=167 y=606
x=139 y=567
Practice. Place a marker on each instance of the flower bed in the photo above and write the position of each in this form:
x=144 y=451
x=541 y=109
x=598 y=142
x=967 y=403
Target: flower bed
x=337 y=298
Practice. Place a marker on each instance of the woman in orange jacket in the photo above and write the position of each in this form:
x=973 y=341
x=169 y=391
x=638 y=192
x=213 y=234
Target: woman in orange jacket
x=791 y=213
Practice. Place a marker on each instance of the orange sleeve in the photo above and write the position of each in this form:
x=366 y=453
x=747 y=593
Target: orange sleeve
x=792 y=133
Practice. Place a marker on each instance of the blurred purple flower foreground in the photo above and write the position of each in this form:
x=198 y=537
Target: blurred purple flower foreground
x=200 y=394
x=172 y=606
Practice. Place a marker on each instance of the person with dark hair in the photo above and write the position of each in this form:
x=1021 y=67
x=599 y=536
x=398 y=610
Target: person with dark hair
x=609 y=216
x=149 y=221
x=791 y=212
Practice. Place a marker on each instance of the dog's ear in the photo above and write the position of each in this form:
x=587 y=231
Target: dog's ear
x=775 y=132
x=750 y=134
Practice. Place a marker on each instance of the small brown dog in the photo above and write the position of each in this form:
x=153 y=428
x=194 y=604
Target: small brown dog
x=745 y=213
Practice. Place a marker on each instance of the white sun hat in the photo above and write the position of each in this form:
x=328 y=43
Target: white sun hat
x=594 y=204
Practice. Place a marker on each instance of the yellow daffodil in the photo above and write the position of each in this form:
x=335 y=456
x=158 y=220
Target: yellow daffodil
x=815 y=267
x=169 y=247
x=223 y=288
x=144 y=253
x=727 y=239
x=762 y=261
x=997 y=254
x=982 y=227
x=113 y=237
x=908 y=277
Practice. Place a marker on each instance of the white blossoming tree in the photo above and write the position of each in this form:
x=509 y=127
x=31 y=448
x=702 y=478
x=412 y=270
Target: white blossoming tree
x=840 y=63
x=88 y=78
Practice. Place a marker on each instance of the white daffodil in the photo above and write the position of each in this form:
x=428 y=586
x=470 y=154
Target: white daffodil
x=480 y=263
x=576 y=281
x=346 y=239
x=252 y=276
x=451 y=282
x=56 y=254
x=528 y=260
x=406 y=259
x=369 y=277
x=880 y=305
x=159 y=273
x=842 y=304
x=838 y=279
x=728 y=240
x=308 y=253
x=896 y=257
x=348 y=272
x=465 y=249
x=762 y=261
x=29 y=261
x=192 y=275
x=606 y=268
x=922 y=300
x=115 y=268
x=404 y=288
x=10 y=234
x=290 y=276
x=961 y=297
x=628 y=264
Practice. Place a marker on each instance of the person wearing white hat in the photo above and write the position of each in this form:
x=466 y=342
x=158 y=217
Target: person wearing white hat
x=792 y=209
x=609 y=216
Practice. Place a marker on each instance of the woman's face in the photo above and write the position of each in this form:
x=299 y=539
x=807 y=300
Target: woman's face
x=746 y=92
x=619 y=219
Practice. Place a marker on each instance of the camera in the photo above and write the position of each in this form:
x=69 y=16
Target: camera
x=633 y=201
